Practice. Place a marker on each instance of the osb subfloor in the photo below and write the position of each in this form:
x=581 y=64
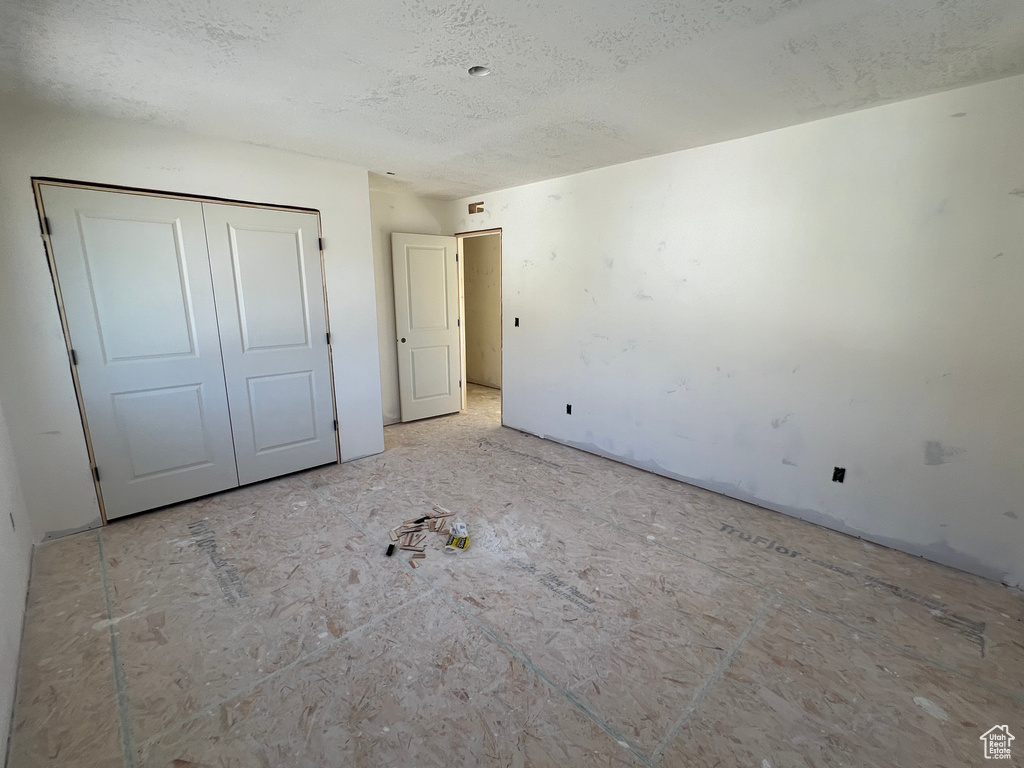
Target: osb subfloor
x=602 y=616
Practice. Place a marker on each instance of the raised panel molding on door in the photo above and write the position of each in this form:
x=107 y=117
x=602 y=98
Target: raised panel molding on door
x=134 y=278
x=268 y=281
x=426 y=318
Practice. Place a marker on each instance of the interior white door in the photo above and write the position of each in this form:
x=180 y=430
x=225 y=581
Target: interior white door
x=135 y=281
x=268 y=280
x=426 y=318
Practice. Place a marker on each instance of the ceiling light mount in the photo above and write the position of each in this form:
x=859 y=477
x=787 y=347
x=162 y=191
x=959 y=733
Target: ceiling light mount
x=479 y=71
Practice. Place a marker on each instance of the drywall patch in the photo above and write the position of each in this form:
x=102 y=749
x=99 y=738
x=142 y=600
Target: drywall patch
x=97 y=523
x=935 y=453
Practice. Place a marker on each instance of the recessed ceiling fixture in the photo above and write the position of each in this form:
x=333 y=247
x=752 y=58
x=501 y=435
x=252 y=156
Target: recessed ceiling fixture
x=479 y=71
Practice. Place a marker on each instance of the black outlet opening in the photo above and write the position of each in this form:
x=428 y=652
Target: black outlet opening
x=838 y=474
x=568 y=409
x=517 y=322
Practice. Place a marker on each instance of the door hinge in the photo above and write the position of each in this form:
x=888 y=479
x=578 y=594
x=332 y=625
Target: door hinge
x=458 y=322
x=328 y=337
x=96 y=473
x=460 y=383
x=335 y=425
x=456 y=258
x=74 y=357
x=320 y=240
x=46 y=225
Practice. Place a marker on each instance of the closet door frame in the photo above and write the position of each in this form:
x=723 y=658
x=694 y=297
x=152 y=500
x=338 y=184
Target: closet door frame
x=39 y=181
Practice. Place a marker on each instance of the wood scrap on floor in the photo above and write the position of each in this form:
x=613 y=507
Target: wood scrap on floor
x=410 y=535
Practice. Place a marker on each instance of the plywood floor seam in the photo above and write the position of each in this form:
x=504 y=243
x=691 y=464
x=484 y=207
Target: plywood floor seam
x=525 y=660
x=212 y=707
x=1016 y=695
x=601 y=616
x=705 y=689
x=120 y=688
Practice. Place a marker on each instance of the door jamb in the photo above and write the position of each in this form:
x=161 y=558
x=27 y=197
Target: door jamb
x=52 y=263
x=460 y=238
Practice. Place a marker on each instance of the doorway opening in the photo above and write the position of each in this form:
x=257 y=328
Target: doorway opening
x=481 y=327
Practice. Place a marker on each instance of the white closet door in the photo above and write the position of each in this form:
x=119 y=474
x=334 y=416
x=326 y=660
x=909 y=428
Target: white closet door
x=135 y=281
x=270 y=303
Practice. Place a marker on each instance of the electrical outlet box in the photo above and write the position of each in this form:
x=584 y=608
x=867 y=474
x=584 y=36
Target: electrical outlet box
x=838 y=474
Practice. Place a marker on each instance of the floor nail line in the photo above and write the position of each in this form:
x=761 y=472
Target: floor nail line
x=705 y=689
x=781 y=596
x=525 y=660
x=121 y=688
x=585 y=510
x=336 y=506
x=908 y=651
x=299 y=661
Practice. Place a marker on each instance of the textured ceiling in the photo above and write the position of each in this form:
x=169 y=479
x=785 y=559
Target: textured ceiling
x=576 y=85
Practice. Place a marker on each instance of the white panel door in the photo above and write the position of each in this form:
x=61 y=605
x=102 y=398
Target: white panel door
x=268 y=281
x=426 y=318
x=135 y=281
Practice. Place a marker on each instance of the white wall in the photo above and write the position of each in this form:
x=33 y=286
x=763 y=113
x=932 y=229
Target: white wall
x=481 y=264
x=15 y=554
x=748 y=315
x=35 y=382
x=396 y=212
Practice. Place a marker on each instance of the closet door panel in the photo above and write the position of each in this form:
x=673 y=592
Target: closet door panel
x=270 y=303
x=135 y=281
